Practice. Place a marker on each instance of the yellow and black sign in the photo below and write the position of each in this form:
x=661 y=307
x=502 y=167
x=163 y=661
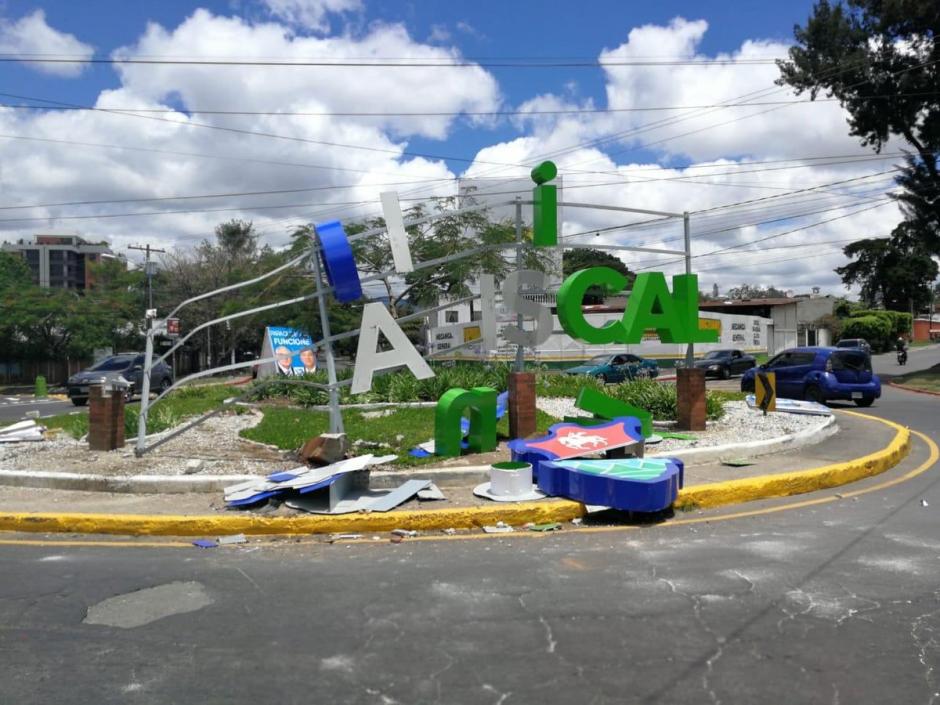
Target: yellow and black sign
x=765 y=391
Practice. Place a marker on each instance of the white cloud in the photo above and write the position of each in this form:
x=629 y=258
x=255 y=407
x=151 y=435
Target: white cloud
x=37 y=172
x=32 y=35
x=310 y=14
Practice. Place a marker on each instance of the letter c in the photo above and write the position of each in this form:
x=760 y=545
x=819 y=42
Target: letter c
x=571 y=297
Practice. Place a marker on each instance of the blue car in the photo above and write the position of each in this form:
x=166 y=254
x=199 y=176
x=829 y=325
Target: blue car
x=616 y=368
x=821 y=375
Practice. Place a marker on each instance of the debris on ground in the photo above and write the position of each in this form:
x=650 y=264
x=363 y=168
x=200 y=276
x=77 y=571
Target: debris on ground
x=22 y=431
x=450 y=532
x=577 y=521
x=344 y=537
x=346 y=496
x=737 y=462
x=404 y=532
x=551 y=526
x=205 y=543
x=193 y=466
x=431 y=493
x=325 y=449
x=923 y=503
x=499 y=528
x=231 y=540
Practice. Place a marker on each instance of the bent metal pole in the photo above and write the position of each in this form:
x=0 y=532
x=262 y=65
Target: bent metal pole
x=145 y=392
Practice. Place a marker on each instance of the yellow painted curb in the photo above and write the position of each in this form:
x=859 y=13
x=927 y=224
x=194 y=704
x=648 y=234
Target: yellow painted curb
x=700 y=496
x=790 y=483
x=180 y=525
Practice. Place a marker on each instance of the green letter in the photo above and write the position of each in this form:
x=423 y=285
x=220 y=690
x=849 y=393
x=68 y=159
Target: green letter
x=651 y=306
x=481 y=401
x=606 y=407
x=544 y=206
x=685 y=294
x=571 y=296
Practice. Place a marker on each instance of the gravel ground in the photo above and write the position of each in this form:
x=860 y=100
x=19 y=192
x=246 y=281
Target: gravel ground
x=738 y=424
x=215 y=442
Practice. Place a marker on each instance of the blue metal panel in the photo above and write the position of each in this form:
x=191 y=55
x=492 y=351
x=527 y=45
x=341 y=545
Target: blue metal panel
x=339 y=261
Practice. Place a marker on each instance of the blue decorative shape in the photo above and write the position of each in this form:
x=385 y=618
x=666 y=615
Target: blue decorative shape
x=339 y=261
x=253 y=499
x=572 y=440
x=320 y=485
x=419 y=453
x=205 y=543
x=628 y=484
x=281 y=476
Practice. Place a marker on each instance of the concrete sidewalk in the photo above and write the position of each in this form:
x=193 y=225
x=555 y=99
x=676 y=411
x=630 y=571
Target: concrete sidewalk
x=858 y=436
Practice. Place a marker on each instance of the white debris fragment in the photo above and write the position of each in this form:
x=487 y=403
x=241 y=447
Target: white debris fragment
x=193 y=466
x=404 y=532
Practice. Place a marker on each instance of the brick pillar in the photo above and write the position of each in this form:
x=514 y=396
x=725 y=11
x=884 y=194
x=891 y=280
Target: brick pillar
x=690 y=402
x=521 y=404
x=105 y=418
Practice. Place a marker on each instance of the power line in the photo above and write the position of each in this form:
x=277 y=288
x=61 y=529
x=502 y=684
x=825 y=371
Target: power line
x=383 y=63
x=457 y=113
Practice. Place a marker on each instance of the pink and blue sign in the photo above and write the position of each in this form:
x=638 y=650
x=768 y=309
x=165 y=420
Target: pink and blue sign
x=572 y=440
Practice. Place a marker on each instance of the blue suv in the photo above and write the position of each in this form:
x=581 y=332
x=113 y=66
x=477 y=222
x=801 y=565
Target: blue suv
x=821 y=375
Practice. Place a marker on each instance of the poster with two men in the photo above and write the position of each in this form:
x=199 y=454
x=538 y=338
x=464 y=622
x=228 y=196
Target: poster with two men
x=293 y=352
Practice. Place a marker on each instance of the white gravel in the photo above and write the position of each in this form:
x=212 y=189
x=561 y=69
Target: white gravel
x=215 y=442
x=739 y=424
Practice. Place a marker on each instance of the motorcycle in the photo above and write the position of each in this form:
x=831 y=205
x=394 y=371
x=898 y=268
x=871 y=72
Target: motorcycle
x=902 y=357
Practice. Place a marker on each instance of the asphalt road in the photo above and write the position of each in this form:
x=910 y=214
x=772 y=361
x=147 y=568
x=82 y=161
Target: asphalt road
x=14 y=407
x=834 y=602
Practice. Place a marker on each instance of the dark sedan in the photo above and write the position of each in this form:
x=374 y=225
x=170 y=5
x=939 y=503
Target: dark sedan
x=130 y=366
x=725 y=363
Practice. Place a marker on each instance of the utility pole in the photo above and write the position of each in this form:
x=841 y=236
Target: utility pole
x=149 y=268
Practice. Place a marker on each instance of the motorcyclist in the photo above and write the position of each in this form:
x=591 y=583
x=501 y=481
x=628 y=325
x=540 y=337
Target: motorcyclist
x=901 y=346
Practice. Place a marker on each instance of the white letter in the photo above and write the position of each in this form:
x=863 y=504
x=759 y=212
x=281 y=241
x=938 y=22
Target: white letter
x=375 y=319
x=515 y=302
x=397 y=237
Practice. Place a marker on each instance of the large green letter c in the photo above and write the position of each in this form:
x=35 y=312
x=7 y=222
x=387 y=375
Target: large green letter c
x=571 y=296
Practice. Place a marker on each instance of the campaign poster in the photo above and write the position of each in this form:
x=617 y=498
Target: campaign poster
x=287 y=346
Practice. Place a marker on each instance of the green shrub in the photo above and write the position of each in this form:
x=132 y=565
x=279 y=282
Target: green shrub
x=875 y=329
x=564 y=385
x=660 y=399
x=900 y=322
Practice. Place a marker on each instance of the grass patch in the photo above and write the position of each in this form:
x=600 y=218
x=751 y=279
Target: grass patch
x=290 y=428
x=170 y=412
x=928 y=380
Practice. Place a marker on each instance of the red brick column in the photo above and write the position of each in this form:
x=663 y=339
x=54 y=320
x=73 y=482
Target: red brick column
x=521 y=404
x=105 y=418
x=690 y=390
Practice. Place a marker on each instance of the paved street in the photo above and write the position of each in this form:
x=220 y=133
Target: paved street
x=13 y=407
x=833 y=602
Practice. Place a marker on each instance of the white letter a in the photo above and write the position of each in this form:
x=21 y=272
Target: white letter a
x=375 y=319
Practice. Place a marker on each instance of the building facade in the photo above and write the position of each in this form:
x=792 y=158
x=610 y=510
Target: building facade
x=61 y=261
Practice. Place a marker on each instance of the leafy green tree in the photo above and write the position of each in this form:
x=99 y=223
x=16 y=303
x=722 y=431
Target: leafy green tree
x=749 y=291
x=879 y=58
x=894 y=272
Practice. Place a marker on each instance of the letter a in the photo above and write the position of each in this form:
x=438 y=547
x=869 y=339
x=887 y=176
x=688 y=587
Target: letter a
x=376 y=319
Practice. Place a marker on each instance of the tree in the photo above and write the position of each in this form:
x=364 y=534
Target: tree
x=584 y=258
x=879 y=58
x=895 y=273
x=749 y=291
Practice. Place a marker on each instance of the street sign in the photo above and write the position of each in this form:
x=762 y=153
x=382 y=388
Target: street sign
x=173 y=327
x=765 y=391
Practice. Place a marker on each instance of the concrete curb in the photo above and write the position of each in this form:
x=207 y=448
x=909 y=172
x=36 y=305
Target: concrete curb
x=710 y=495
x=800 y=482
x=465 y=476
x=906 y=388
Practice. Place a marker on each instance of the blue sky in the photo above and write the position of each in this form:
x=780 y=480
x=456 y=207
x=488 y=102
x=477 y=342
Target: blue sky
x=661 y=159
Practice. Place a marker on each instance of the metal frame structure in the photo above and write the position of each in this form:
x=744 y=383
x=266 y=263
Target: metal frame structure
x=312 y=258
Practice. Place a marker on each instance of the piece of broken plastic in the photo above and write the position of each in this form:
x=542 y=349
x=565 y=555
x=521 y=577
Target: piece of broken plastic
x=205 y=543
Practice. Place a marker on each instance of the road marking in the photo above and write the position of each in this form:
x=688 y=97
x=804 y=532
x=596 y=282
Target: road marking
x=933 y=456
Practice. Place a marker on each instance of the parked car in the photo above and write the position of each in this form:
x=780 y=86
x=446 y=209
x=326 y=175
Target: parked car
x=130 y=366
x=616 y=368
x=821 y=375
x=724 y=363
x=855 y=344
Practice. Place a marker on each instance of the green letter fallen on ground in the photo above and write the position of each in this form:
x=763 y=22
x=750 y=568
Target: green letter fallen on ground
x=481 y=402
x=606 y=407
